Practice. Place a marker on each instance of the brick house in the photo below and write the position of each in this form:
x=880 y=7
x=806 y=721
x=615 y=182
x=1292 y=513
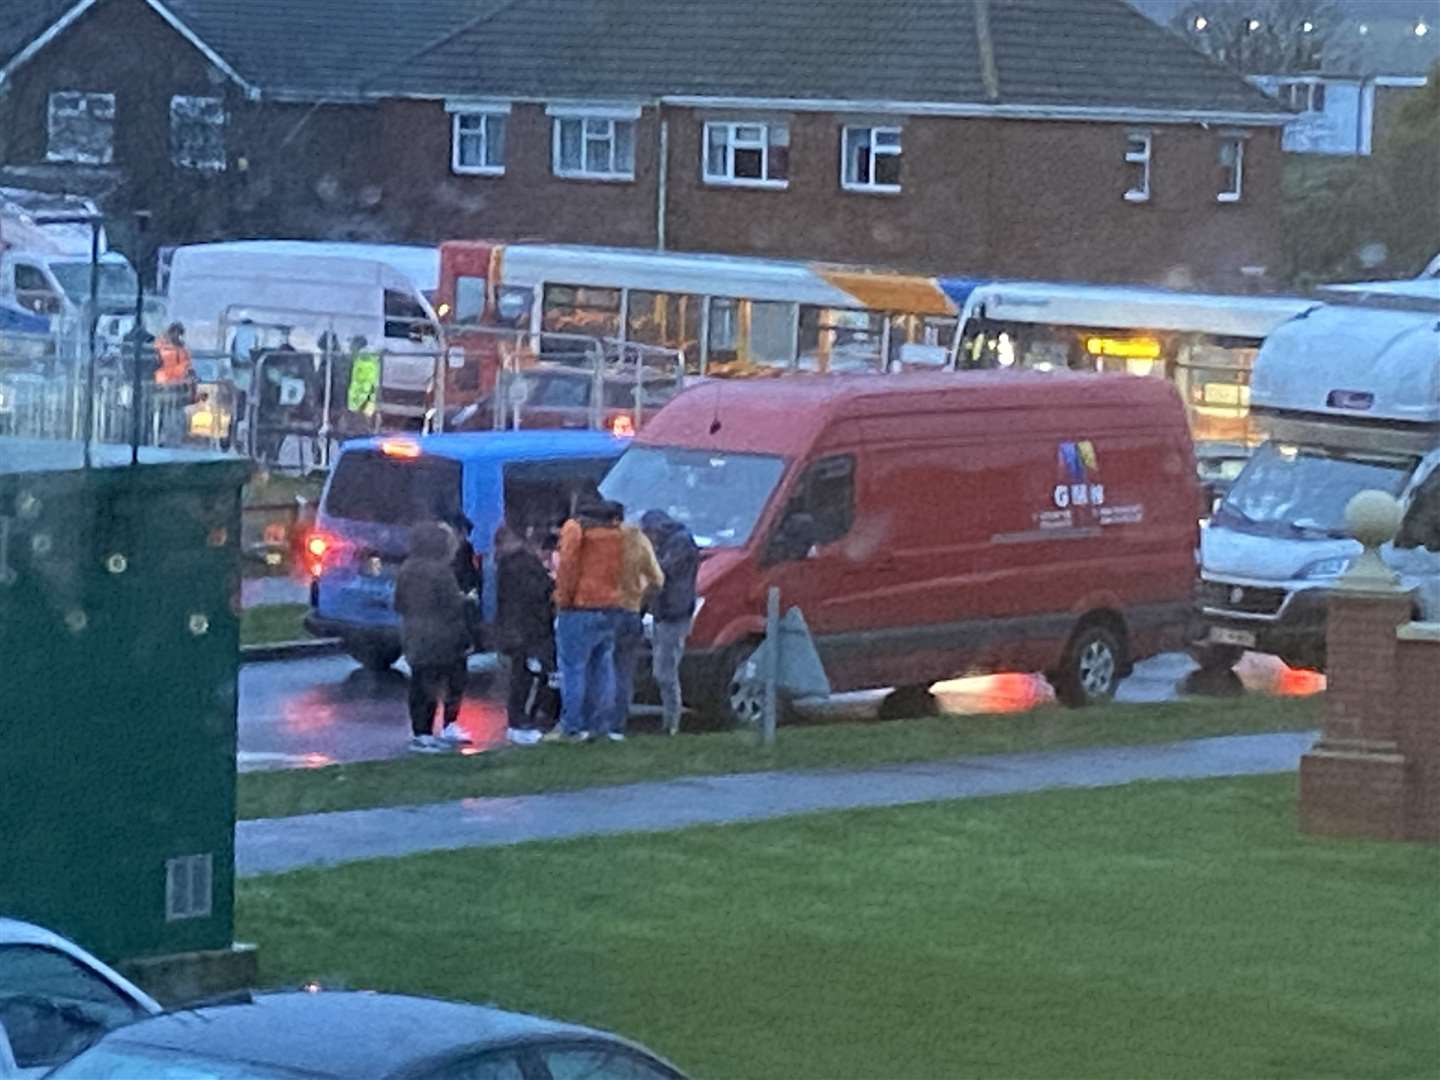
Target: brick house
x=1052 y=138
x=1057 y=138
x=223 y=117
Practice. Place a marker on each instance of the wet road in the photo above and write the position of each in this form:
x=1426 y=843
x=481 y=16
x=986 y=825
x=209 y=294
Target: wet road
x=309 y=713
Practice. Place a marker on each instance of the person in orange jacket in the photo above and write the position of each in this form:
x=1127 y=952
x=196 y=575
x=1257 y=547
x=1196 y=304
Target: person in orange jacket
x=587 y=598
x=174 y=357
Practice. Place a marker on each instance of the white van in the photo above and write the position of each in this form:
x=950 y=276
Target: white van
x=215 y=287
x=1350 y=399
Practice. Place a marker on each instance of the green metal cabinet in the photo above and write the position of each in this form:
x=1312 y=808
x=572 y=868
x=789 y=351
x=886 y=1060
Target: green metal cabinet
x=119 y=642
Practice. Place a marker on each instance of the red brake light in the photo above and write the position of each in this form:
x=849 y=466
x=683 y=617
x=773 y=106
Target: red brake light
x=317 y=545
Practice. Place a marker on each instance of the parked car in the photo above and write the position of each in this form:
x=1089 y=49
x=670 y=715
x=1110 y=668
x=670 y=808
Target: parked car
x=347 y=1035
x=380 y=487
x=929 y=526
x=56 y=999
x=564 y=397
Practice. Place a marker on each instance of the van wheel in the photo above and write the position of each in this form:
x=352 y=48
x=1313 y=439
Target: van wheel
x=373 y=657
x=1090 y=672
x=909 y=703
x=734 y=697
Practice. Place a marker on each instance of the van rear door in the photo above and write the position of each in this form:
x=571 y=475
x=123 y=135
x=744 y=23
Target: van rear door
x=371 y=502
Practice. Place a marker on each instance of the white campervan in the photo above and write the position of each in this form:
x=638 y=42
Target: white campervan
x=1350 y=399
x=299 y=297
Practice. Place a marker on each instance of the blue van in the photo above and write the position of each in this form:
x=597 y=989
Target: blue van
x=380 y=487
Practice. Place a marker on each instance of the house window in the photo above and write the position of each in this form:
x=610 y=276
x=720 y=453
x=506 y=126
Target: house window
x=197 y=132
x=478 y=143
x=82 y=128
x=872 y=159
x=1137 y=161
x=751 y=155
x=1232 y=169
x=595 y=147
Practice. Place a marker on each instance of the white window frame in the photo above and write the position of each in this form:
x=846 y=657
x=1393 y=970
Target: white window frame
x=622 y=172
x=88 y=99
x=871 y=187
x=1236 y=191
x=214 y=164
x=732 y=143
x=458 y=133
x=1143 y=158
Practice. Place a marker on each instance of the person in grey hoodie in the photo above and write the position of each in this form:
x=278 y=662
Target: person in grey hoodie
x=433 y=633
x=672 y=608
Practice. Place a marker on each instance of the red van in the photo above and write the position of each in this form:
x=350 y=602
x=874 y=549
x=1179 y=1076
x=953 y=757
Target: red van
x=928 y=527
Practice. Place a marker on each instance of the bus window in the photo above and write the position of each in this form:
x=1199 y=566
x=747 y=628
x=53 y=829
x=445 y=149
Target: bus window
x=748 y=336
x=576 y=309
x=469 y=300
x=841 y=341
x=669 y=320
x=1214 y=380
x=920 y=342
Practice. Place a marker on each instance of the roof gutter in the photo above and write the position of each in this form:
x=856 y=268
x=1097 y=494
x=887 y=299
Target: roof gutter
x=963 y=109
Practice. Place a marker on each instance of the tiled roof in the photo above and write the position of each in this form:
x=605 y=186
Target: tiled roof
x=1090 y=53
x=317 y=48
x=22 y=21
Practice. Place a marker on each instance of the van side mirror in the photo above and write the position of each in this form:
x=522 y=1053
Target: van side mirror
x=794 y=538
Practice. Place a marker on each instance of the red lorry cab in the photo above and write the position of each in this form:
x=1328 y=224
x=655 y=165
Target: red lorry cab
x=929 y=527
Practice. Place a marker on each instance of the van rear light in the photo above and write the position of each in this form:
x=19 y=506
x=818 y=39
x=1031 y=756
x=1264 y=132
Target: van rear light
x=321 y=550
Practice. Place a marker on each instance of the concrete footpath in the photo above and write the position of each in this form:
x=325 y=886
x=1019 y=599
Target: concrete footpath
x=275 y=845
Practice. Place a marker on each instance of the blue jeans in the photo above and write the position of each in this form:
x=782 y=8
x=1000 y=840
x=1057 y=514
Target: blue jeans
x=585 y=644
x=629 y=641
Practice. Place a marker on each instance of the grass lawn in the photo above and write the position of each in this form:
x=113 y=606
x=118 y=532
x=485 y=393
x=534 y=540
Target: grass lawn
x=271 y=623
x=1155 y=930
x=527 y=770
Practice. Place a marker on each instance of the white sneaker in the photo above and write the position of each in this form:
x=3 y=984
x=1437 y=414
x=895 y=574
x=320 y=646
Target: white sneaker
x=426 y=744
x=615 y=736
x=521 y=736
x=455 y=735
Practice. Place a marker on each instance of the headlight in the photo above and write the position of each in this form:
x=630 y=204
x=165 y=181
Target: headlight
x=1327 y=568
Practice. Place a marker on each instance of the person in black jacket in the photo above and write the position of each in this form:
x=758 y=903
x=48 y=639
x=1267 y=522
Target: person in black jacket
x=525 y=631
x=672 y=608
x=432 y=631
x=467 y=575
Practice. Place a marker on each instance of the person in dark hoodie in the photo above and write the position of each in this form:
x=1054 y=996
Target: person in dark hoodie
x=525 y=632
x=433 y=633
x=672 y=608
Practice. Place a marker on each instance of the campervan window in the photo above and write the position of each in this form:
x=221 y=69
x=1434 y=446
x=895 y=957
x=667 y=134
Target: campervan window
x=1421 y=526
x=1302 y=491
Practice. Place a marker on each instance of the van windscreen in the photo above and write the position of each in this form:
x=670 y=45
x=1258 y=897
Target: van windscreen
x=371 y=486
x=718 y=496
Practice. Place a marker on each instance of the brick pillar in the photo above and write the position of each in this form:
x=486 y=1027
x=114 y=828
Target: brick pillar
x=1353 y=783
x=1418 y=728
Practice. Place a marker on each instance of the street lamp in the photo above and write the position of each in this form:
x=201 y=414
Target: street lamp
x=96 y=223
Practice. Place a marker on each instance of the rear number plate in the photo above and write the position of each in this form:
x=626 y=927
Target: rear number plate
x=1223 y=635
